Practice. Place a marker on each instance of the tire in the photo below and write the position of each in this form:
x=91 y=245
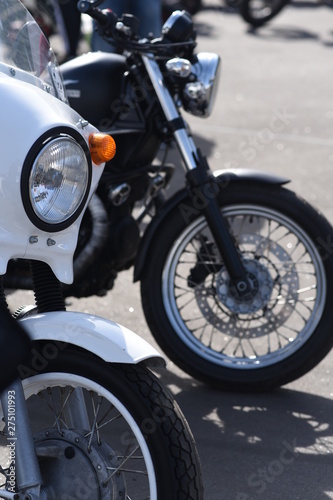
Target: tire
x=252 y=344
x=234 y=4
x=259 y=12
x=192 y=6
x=140 y=433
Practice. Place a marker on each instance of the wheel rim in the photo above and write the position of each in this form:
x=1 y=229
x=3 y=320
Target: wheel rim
x=291 y=276
x=261 y=9
x=109 y=460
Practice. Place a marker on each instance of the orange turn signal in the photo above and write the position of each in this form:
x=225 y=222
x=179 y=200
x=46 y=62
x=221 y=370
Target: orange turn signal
x=102 y=148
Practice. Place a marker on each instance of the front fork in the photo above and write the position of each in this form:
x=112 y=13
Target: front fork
x=24 y=469
x=199 y=179
x=204 y=185
x=24 y=473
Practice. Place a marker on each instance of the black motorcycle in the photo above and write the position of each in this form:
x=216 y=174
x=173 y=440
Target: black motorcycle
x=259 y=12
x=191 y=6
x=235 y=270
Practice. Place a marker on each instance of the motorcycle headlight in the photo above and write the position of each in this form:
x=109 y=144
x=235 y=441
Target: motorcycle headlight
x=200 y=93
x=179 y=67
x=56 y=180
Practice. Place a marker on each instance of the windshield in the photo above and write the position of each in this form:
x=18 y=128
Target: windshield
x=25 y=53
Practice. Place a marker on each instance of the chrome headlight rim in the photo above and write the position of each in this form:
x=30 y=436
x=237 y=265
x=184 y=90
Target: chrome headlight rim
x=200 y=92
x=44 y=140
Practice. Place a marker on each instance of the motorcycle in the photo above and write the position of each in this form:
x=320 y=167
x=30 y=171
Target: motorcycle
x=169 y=6
x=85 y=417
x=259 y=12
x=235 y=269
x=43 y=11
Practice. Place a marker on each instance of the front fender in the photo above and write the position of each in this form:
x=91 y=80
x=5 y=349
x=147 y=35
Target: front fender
x=108 y=340
x=224 y=178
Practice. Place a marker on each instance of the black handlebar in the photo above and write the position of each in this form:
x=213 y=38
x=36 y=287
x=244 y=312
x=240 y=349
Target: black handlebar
x=122 y=32
x=85 y=6
x=105 y=18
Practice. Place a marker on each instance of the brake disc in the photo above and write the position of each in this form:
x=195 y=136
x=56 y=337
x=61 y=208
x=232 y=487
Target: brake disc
x=269 y=304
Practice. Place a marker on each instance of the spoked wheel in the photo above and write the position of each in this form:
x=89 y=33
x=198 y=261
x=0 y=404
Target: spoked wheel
x=232 y=3
x=128 y=441
x=259 y=12
x=270 y=337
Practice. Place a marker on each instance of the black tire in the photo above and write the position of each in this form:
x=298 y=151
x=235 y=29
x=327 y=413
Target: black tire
x=259 y=12
x=160 y=430
x=192 y=311
x=233 y=3
x=192 y=6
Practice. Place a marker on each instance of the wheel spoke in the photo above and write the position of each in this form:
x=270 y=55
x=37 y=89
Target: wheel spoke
x=288 y=280
x=120 y=468
x=94 y=428
x=107 y=442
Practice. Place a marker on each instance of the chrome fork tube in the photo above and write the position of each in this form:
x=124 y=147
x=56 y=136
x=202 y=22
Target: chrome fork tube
x=199 y=179
x=184 y=142
x=20 y=440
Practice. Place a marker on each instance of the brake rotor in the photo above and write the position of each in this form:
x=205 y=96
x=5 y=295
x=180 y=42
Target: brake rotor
x=261 y=284
x=269 y=305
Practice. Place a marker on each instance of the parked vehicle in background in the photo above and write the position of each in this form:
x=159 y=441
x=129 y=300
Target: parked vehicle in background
x=259 y=12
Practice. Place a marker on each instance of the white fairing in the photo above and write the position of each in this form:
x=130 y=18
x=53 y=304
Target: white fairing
x=108 y=340
x=26 y=113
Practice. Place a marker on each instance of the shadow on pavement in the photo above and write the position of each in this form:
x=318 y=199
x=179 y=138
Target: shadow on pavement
x=265 y=443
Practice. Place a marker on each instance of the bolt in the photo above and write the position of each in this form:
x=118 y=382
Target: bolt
x=241 y=286
x=83 y=123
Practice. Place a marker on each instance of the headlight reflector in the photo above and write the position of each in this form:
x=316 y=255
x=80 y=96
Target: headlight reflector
x=58 y=180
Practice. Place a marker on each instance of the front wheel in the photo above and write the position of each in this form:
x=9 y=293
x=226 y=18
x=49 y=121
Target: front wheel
x=261 y=341
x=129 y=440
x=259 y=12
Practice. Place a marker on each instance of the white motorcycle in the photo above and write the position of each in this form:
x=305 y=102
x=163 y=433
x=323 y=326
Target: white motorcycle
x=86 y=418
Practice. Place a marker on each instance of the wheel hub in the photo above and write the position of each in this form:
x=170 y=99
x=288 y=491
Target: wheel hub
x=261 y=284
x=71 y=468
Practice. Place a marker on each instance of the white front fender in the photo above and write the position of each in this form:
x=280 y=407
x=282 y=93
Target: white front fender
x=108 y=340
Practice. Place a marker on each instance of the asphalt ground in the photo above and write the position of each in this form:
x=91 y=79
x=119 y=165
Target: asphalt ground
x=274 y=112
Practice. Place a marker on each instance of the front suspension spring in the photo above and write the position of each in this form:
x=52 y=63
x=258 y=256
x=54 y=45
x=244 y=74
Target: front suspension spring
x=47 y=288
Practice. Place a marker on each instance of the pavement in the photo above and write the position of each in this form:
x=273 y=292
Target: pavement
x=274 y=112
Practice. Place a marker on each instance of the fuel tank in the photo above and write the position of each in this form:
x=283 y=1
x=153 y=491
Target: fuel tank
x=100 y=90
x=93 y=83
